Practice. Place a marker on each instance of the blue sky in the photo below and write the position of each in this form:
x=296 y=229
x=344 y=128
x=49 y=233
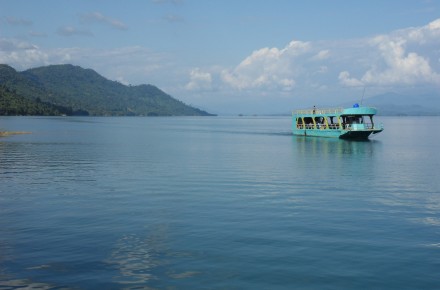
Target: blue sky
x=235 y=56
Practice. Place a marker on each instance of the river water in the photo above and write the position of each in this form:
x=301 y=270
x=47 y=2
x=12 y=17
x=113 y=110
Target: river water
x=217 y=203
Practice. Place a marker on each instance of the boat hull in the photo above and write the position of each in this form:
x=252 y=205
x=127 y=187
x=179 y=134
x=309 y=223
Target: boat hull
x=342 y=134
x=317 y=133
x=356 y=135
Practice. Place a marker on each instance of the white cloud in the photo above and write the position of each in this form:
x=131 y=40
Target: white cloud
x=21 y=54
x=267 y=68
x=134 y=64
x=199 y=80
x=422 y=35
x=72 y=31
x=11 y=45
x=97 y=17
x=323 y=54
x=345 y=79
x=401 y=58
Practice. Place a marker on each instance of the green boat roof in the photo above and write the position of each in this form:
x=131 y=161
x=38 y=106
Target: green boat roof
x=360 y=111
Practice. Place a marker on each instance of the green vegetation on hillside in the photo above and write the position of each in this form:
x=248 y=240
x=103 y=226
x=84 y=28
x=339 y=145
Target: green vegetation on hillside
x=72 y=90
x=12 y=104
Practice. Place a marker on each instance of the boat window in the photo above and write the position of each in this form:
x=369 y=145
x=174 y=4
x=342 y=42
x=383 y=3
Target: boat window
x=332 y=122
x=308 y=120
x=299 y=123
x=354 y=119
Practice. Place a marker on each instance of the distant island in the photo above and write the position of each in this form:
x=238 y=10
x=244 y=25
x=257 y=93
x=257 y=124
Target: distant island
x=394 y=104
x=70 y=90
x=401 y=104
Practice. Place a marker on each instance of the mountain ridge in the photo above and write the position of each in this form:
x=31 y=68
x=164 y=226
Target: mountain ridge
x=395 y=104
x=85 y=92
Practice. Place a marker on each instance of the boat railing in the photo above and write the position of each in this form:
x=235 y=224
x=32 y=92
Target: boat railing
x=365 y=126
x=318 y=126
x=319 y=111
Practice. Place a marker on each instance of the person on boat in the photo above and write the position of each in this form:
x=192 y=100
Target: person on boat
x=314 y=109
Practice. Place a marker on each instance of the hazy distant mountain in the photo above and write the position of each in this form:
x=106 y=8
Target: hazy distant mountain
x=399 y=104
x=73 y=90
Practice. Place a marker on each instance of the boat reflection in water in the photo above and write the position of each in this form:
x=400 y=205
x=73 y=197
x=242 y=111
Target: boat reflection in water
x=335 y=158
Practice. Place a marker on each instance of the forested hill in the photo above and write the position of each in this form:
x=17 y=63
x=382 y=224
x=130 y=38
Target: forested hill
x=72 y=90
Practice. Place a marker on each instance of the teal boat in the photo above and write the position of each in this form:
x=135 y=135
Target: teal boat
x=351 y=123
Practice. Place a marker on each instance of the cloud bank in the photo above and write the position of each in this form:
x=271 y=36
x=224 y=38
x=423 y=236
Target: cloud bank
x=405 y=57
x=401 y=59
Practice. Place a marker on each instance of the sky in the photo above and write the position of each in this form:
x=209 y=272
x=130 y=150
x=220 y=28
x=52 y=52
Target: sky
x=236 y=56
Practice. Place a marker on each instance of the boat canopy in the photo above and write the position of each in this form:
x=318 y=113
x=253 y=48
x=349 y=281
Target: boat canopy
x=365 y=111
x=359 y=111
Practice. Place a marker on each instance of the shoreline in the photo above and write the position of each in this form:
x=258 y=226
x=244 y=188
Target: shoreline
x=9 y=133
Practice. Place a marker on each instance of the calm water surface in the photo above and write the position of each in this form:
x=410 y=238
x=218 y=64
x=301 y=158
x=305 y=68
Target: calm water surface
x=217 y=203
